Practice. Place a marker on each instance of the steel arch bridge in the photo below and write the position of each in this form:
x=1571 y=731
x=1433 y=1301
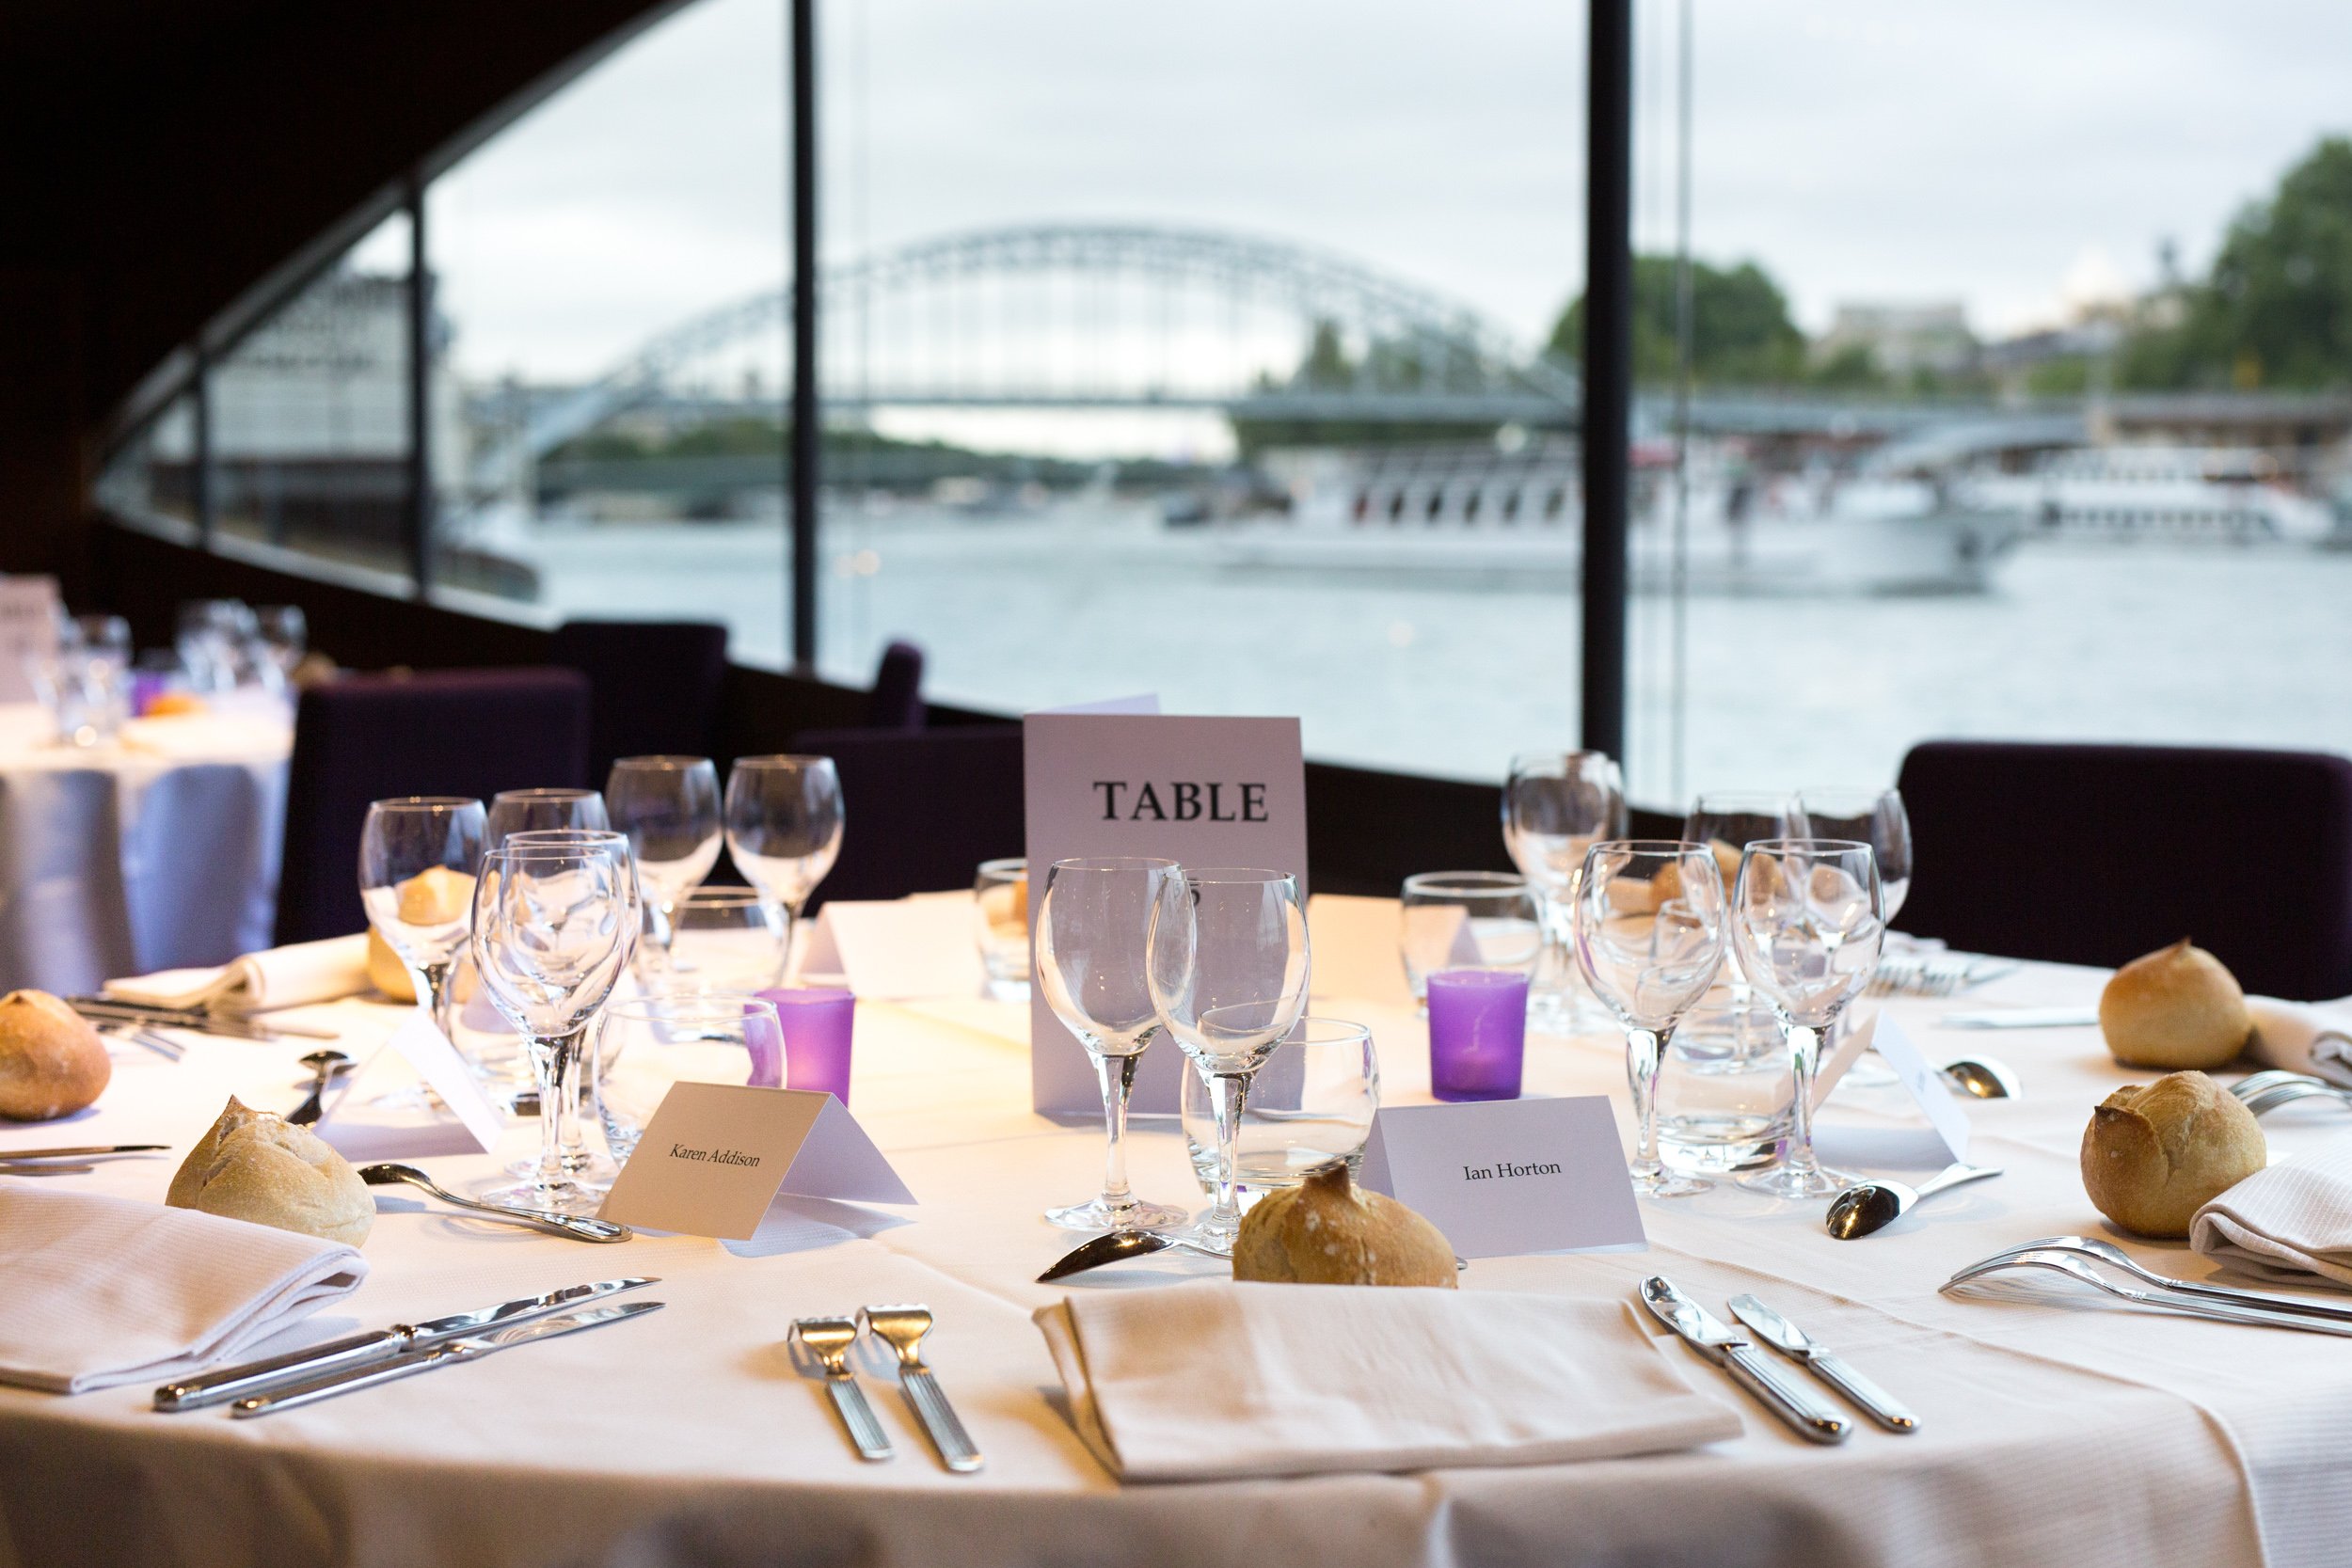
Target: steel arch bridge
x=1421 y=356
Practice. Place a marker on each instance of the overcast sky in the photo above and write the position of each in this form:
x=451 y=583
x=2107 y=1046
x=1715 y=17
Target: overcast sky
x=1996 y=152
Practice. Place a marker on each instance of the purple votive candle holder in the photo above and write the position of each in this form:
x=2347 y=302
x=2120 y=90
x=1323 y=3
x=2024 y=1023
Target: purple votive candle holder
x=819 y=1022
x=1477 y=1034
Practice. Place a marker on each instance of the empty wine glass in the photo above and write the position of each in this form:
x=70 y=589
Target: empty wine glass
x=1871 y=816
x=418 y=856
x=1468 y=919
x=1649 y=937
x=1093 y=935
x=520 y=1078
x=1230 y=966
x=525 y=811
x=669 y=807
x=784 y=822
x=1555 y=806
x=549 y=939
x=1807 y=919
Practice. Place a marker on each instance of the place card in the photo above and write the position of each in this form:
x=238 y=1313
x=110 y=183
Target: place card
x=358 y=1124
x=891 y=949
x=1944 y=1138
x=1356 y=951
x=1198 y=791
x=1505 y=1177
x=29 y=612
x=1924 y=1084
x=715 y=1157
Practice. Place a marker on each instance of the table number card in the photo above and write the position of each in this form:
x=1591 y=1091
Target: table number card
x=716 y=1156
x=1198 y=791
x=1504 y=1177
x=357 y=1128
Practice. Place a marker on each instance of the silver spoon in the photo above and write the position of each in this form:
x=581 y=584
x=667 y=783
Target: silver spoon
x=1875 y=1204
x=580 y=1228
x=1984 y=1078
x=325 y=1066
x=1115 y=1246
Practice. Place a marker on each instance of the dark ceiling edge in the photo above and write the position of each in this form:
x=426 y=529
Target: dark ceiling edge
x=221 y=331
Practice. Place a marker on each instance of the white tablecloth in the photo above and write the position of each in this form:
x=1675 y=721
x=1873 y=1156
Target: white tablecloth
x=2053 y=1430
x=159 y=852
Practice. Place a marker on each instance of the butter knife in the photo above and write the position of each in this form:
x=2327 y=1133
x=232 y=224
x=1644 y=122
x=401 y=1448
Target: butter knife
x=254 y=1377
x=1794 y=1343
x=1786 y=1398
x=449 y=1352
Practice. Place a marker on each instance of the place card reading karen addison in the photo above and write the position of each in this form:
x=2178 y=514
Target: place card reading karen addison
x=1504 y=1177
x=715 y=1156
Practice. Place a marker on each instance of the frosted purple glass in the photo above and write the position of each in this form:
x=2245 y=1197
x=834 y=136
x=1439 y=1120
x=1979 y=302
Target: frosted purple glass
x=1477 y=1034
x=818 y=1022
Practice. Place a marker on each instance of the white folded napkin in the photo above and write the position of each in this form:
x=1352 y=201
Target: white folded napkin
x=276 y=977
x=1218 y=1380
x=2301 y=1039
x=99 y=1291
x=2288 y=1222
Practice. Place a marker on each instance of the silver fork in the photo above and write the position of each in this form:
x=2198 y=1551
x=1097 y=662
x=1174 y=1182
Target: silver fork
x=2269 y=1078
x=829 y=1339
x=2074 y=1268
x=902 y=1328
x=2107 y=1251
x=2263 y=1101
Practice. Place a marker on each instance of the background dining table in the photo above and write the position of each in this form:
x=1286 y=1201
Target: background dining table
x=2056 y=1426
x=158 y=850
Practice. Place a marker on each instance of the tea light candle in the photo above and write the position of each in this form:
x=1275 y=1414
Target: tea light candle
x=1477 y=1033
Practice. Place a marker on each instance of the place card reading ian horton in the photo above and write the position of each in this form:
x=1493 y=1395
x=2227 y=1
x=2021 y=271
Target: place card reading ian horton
x=1504 y=1177
x=715 y=1156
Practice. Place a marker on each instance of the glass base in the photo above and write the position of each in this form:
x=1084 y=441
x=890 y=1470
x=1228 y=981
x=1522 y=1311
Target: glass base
x=1200 y=1236
x=1786 y=1181
x=1097 y=1215
x=584 y=1165
x=564 y=1197
x=1670 y=1183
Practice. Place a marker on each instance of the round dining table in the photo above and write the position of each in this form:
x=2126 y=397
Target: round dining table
x=2055 y=1426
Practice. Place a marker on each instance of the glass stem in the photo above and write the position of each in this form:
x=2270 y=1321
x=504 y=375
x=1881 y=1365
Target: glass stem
x=433 y=989
x=1118 y=1075
x=785 y=972
x=1645 y=1053
x=573 y=1135
x=1228 y=1091
x=657 y=946
x=551 y=1060
x=1804 y=1056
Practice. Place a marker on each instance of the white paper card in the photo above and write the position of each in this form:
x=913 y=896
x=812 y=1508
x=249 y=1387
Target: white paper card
x=1198 y=791
x=1852 y=1040
x=891 y=949
x=356 y=1123
x=28 y=632
x=1504 y=1177
x=1925 y=1086
x=715 y=1157
x=1356 y=954
x=1147 y=701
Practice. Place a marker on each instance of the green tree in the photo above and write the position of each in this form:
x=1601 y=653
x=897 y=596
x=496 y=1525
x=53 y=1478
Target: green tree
x=1741 y=334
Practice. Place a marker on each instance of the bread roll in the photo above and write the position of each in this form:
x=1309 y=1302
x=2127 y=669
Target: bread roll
x=2177 y=1008
x=2152 y=1156
x=52 y=1062
x=386 y=973
x=436 y=896
x=256 y=1166
x=1330 y=1231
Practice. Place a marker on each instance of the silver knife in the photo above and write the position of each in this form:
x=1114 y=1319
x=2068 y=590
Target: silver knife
x=1748 y=1366
x=1792 y=1342
x=447 y=1353
x=2022 y=1017
x=253 y=1377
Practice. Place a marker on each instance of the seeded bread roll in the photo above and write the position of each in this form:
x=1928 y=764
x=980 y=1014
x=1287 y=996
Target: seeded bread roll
x=1330 y=1231
x=256 y=1166
x=52 y=1062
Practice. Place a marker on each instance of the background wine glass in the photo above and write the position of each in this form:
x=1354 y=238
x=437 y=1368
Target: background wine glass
x=550 y=939
x=418 y=856
x=1230 y=965
x=783 y=824
x=1555 y=806
x=669 y=807
x=1650 y=939
x=578 y=1157
x=1093 y=931
x=1468 y=919
x=1808 y=921
x=1871 y=816
x=524 y=811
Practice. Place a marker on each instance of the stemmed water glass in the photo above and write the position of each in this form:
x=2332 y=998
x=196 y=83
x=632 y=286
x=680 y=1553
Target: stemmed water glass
x=1555 y=806
x=1093 y=931
x=1649 y=937
x=422 y=916
x=578 y=1159
x=1228 y=970
x=784 y=822
x=549 y=939
x=669 y=807
x=1808 y=921
x=526 y=811
x=1871 y=816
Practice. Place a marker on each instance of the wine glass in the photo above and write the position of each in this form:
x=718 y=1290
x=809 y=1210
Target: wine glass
x=1555 y=806
x=669 y=807
x=418 y=856
x=784 y=822
x=1871 y=816
x=1093 y=930
x=549 y=939
x=1228 y=970
x=524 y=811
x=286 y=632
x=1807 y=920
x=1649 y=937
x=1468 y=919
x=578 y=1157
x=649 y=1045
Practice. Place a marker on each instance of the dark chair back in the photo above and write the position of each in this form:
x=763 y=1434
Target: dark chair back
x=2097 y=854
x=923 y=807
x=445 y=732
x=897 y=700
x=657 y=686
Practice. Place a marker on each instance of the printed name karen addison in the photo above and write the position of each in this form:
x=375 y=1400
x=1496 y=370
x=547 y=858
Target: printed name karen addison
x=1505 y=1171
x=713 y=1156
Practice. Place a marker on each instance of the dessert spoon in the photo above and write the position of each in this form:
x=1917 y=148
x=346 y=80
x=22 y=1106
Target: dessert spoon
x=1113 y=1247
x=1984 y=1078
x=325 y=1067
x=1875 y=1204
x=580 y=1228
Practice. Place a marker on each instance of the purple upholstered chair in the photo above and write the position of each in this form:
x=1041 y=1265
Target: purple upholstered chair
x=925 y=807
x=2096 y=854
x=657 y=686
x=445 y=732
x=896 y=700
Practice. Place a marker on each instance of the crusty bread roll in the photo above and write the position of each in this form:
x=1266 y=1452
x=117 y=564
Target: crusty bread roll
x=1330 y=1231
x=2153 y=1155
x=386 y=973
x=436 y=896
x=52 y=1062
x=2176 y=1007
x=254 y=1165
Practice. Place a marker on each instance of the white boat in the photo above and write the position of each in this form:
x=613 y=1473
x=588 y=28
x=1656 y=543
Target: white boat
x=2219 y=495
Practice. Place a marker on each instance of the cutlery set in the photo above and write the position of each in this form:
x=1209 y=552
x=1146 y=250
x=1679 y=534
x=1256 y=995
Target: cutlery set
x=1807 y=1413
x=70 y=1161
x=2078 y=1258
x=830 y=1339
x=1934 y=973
x=243 y=1026
x=2264 y=1092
